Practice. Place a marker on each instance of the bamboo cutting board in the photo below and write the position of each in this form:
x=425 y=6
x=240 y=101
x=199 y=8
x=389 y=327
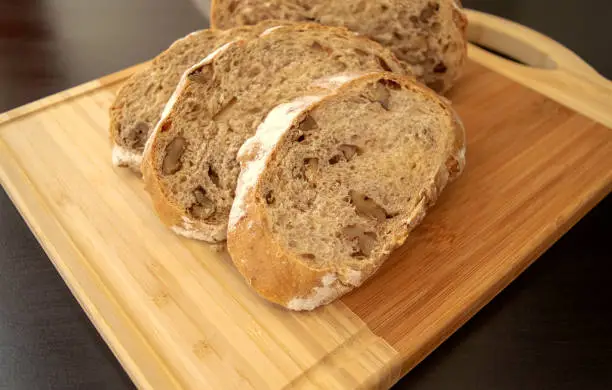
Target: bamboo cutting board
x=177 y=314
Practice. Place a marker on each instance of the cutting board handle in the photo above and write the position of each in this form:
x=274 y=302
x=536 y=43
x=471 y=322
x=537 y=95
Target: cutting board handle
x=542 y=64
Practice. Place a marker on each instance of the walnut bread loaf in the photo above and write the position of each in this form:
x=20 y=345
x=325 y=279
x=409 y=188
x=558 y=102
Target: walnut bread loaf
x=140 y=101
x=189 y=166
x=330 y=185
x=428 y=35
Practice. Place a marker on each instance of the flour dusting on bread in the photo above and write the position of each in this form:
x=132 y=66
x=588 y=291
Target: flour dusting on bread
x=255 y=151
x=179 y=90
x=330 y=289
x=335 y=81
x=123 y=157
x=268 y=31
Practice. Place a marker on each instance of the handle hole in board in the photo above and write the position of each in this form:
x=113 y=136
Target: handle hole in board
x=499 y=54
x=509 y=47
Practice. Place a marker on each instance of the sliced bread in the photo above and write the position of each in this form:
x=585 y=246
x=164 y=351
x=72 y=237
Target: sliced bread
x=190 y=166
x=140 y=101
x=329 y=186
x=429 y=35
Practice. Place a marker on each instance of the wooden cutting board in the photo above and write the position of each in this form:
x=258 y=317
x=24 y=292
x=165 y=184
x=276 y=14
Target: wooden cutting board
x=178 y=315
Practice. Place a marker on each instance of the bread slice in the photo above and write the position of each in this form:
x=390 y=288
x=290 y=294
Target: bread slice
x=139 y=103
x=429 y=35
x=330 y=185
x=190 y=166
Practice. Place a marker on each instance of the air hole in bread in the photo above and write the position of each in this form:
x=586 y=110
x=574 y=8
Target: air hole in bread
x=194 y=107
x=390 y=84
x=365 y=241
x=429 y=11
x=335 y=159
x=174 y=152
x=394 y=214
x=308 y=256
x=270 y=197
x=203 y=206
x=201 y=75
x=440 y=68
x=384 y=64
x=366 y=206
x=301 y=138
x=214 y=177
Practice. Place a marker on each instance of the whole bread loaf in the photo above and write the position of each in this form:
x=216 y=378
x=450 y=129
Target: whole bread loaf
x=139 y=103
x=330 y=185
x=429 y=35
x=190 y=166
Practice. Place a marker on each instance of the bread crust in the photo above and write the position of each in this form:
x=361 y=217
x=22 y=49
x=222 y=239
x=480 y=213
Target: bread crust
x=167 y=209
x=274 y=271
x=435 y=53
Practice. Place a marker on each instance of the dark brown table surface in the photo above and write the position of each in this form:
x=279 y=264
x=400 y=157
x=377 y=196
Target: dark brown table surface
x=551 y=329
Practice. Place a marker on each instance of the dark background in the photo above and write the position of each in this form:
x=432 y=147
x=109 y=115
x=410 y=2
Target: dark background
x=550 y=329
